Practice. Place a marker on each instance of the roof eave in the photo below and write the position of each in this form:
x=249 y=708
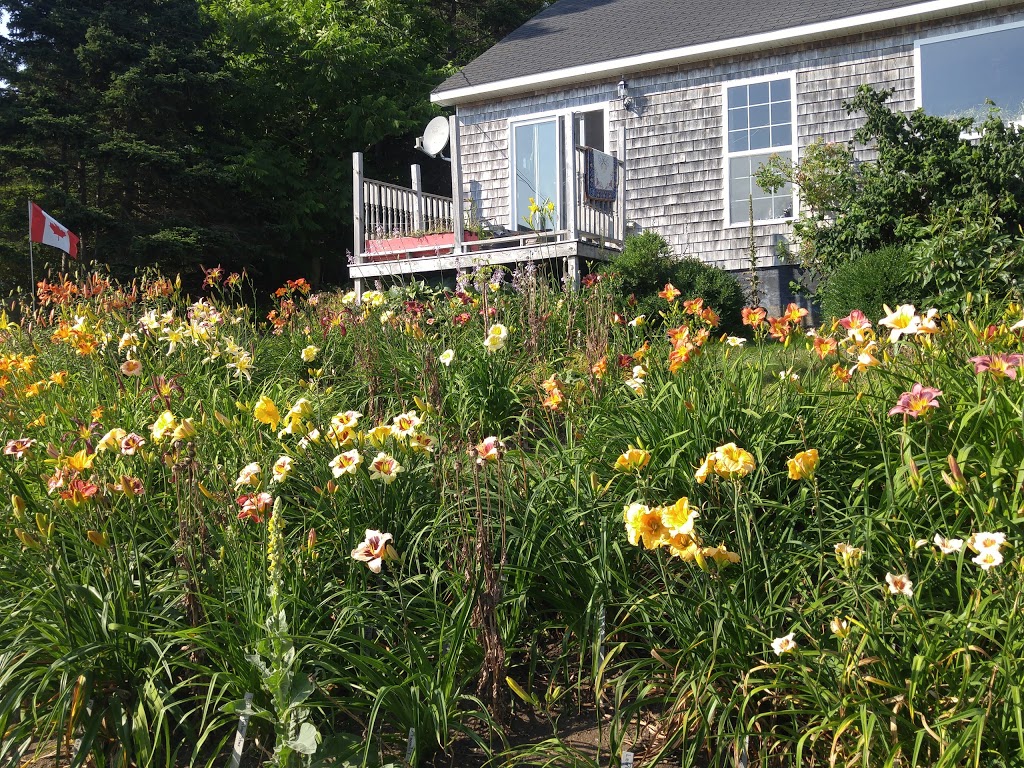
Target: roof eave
x=789 y=36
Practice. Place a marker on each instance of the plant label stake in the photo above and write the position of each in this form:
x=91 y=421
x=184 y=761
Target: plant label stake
x=243 y=726
x=627 y=760
x=600 y=639
x=411 y=748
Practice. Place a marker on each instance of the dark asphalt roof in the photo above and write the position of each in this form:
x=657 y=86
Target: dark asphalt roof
x=571 y=33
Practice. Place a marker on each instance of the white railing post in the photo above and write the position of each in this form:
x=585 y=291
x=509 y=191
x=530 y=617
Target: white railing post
x=358 y=215
x=417 y=189
x=569 y=169
x=457 y=204
x=620 y=193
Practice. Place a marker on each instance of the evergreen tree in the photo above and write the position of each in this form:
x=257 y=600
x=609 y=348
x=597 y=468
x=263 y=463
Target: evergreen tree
x=113 y=121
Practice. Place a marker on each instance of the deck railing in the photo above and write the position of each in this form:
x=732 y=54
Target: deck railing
x=391 y=211
x=392 y=222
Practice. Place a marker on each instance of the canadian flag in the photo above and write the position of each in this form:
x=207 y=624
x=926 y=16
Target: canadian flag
x=47 y=230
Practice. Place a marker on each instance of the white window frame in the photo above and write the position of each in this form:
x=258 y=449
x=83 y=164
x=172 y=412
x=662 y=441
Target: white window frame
x=565 y=113
x=919 y=96
x=727 y=155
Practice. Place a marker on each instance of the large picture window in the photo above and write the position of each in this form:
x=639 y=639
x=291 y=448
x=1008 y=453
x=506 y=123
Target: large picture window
x=958 y=73
x=759 y=123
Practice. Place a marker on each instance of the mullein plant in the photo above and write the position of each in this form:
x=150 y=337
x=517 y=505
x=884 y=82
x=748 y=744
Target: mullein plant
x=295 y=738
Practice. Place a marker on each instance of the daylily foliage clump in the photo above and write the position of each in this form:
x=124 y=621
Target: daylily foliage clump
x=426 y=509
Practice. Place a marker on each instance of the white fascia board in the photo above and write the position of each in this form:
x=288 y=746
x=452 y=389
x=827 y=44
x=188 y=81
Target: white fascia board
x=616 y=67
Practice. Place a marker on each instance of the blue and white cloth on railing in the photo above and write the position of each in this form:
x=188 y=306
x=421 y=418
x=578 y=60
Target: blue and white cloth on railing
x=602 y=175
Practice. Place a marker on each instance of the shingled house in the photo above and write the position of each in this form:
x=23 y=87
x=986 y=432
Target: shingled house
x=689 y=98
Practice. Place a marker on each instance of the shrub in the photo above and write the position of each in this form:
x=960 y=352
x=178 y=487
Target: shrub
x=869 y=281
x=646 y=264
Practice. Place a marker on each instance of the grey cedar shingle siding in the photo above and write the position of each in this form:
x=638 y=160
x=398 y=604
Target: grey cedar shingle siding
x=573 y=33
x=674 y=179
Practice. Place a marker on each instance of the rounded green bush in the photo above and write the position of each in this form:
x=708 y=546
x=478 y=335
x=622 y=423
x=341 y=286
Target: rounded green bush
x=870 y=281
x=646 y=264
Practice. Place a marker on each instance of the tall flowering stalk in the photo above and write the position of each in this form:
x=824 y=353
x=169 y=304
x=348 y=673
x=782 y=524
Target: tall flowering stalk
x=278 y=663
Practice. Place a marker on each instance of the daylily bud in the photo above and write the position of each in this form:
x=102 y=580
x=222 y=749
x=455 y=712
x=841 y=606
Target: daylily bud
x=916 y=481
x=42 y=522
x=332 y=487
x=27 y=539
x=101 y=540
x=955 y=480
x=19 y=506
x=311 y=539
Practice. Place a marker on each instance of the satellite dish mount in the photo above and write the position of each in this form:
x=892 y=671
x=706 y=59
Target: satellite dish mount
x=435 y=138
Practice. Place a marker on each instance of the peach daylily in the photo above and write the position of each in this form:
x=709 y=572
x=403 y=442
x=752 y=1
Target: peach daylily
x=643 y=524
x=900 y=584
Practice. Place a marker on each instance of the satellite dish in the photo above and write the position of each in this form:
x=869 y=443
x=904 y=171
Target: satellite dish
x=435 y=137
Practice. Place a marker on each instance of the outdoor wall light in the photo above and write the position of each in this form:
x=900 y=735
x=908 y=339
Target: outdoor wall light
x=627 y=100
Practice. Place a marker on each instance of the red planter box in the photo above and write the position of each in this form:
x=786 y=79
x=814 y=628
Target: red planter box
x=391 y=248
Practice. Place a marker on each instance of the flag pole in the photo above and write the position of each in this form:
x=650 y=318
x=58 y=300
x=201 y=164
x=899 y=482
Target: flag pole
x=31 y=260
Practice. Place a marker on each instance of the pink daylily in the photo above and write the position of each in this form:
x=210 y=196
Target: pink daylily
x=917 y=402
x=999 y=365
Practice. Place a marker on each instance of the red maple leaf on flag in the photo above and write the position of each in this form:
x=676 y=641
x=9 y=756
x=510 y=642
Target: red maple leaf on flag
x=61 y=233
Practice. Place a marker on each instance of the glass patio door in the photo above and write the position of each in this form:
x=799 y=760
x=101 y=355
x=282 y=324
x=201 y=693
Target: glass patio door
x=535 y=164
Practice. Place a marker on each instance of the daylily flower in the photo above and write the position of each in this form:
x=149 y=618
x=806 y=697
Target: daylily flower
x=309 y=353
x=679 y=518
x=163 y=426
x=496 y=336
x=265 y=412
x=379 y=434
x=111 y=440
x=131 y=368
x=803 y=465
x=900 y=584
x=824 y=346
x=488 y=449
x=856 y=325
x=840 y=627
x=988 y=558
x=1000 y=366
x=985 y=541
x=375 y=548
x=633 y=460
x=18 y=448
x=785 y=644
x=643 y=524
x=638 y=321
x=865 y=359
x=446 y=357
x=902 y=321
x=346 y=463
x=794 y=314
x=705 y=469
x=948 y=546
x=253 y=506
x=669 y=293
x=281 y=469
x=917 y=402
x=384 y=467
x=732 y=462
x=754 y=316
x=721 y=555
x=250 y=475
x=131 y=443
x=405 y=424
x=735 y=341
x=848 y=555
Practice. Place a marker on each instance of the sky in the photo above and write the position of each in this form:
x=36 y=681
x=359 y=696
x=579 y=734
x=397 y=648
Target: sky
x=3 y=23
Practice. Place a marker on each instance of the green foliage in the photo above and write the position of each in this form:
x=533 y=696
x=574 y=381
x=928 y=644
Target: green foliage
x=882 y=277
x=646 y=264
x=961 y=196
x=131 y=618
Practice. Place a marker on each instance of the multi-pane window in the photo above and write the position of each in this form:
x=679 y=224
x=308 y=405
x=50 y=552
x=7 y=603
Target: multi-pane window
x=959 y=74
x=759 y=124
